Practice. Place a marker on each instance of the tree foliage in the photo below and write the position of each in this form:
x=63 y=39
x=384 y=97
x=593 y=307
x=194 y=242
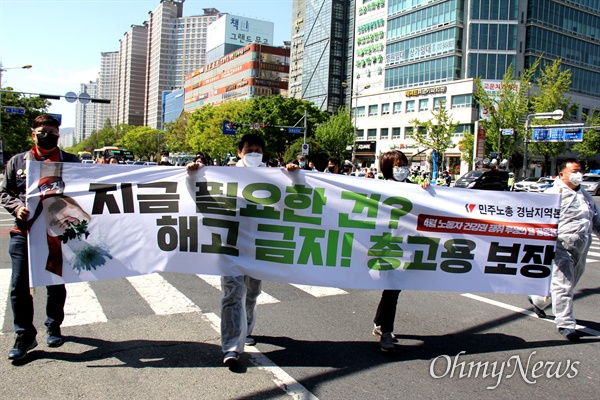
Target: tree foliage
x=336 y=134
x=435 y=133
x=590 y=145
x=144 y=141
x=506 y=108
x=554 y=82
x=15 y=129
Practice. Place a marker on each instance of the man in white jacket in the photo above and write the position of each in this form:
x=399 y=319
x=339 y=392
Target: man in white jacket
x=578 y=220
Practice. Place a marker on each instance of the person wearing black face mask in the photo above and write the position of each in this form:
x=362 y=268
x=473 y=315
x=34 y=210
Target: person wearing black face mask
x=12 y=196
x=333 y=166
x=394 y=166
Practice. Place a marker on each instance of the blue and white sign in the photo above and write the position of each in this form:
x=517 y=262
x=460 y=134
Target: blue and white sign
x=506 y=132
x=295 y=130
x=228 y=128
x=557 y=134
x=14 y=110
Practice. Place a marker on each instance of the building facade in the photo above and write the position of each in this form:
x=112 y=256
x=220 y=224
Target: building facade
x=253 y=70
x=131 y=98
x=322 y=35
x=412 y=55
x=86 y=112
x=108 y=88
x=176 y=46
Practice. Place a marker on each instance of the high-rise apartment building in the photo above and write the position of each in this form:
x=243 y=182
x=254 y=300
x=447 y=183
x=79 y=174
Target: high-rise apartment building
x=131 y=98
x=322 y=32
x=411 y=56
x=108 y=88
x=176 y=46
x=86 y=112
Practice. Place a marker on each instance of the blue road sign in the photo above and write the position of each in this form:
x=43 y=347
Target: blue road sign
x=14 y=110
x=228 y=128
x=557 y=134
x=508 y=132
x=295 y=130
x=58 y=117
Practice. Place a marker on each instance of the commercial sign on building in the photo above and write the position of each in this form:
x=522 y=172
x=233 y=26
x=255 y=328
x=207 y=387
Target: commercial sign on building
x=426 y=91
x=231 y=29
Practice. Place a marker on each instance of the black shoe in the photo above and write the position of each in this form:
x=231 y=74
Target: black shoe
x=54 y=338
x=538 y=311
x=570 y=334
x=23 y=344
x=387 y=342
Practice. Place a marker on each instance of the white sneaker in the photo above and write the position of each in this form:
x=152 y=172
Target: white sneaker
x=230 y=357
x=250 y=341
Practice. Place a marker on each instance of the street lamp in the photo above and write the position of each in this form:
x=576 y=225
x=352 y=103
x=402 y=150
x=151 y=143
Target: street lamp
x=355 y=94
x=556 y=115
x=2 y=69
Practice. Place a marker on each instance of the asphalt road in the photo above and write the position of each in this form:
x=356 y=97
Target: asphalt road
x=122 y=343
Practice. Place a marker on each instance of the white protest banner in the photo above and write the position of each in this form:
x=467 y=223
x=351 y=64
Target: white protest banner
x=95 y=221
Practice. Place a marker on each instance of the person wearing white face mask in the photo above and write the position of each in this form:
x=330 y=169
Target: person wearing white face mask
x=394 y=166
x=578 y=220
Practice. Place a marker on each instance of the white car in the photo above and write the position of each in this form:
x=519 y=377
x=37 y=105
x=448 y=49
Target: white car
x=524 y=184
x=541 y=185
x=591 y=183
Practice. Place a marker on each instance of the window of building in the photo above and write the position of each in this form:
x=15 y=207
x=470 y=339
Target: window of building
x=360 y=133
x=410 y=106
x=385 y=109
x=439 y=102
x=462 y=101
x=397 y=107
x=360 y=111
x=408 y=132
x=395 y=133
x=373 y=110
x=423 y=104
x=372 y=134
x=384 y=133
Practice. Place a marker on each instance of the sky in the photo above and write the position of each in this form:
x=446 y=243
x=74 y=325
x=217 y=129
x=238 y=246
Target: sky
x=63 y=39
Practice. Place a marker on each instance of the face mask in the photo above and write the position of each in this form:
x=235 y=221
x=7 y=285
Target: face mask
x=401 y=173
x=331 y=169
x=302 y=164
x=46 y=140
x=253 y=159
x=576 y=178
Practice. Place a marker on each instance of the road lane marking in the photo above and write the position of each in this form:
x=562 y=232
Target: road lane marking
x=161 y=296
x=82 y=306
x=523 y=311
x=215 y=281
x=5 y=277
x=320 y=291
x=281 y=378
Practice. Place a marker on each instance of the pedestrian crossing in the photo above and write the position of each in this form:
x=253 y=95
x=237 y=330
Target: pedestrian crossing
x=84 y=307
x=162 y=297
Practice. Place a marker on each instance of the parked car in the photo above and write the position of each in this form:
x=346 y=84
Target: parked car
x=541 y=185
x=523 y=184
x=492 y=179
x=591 y=183
x=87 y=161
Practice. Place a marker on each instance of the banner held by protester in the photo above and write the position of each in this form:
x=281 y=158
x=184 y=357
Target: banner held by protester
x=113 y=221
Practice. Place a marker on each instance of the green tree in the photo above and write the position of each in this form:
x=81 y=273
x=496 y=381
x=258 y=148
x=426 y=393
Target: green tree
x=204 y=131
x=507 y=108
x=15 y=129
x=336 y=134
x=143 y=141
x=554 y=82
x=590 y=145
x=175 y=135
x=435 y=133
x=465 y=146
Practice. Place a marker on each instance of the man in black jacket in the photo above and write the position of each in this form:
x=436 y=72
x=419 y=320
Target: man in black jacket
x=45 y=137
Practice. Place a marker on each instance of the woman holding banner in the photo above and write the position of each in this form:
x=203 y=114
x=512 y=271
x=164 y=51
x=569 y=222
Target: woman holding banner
x=393 y=166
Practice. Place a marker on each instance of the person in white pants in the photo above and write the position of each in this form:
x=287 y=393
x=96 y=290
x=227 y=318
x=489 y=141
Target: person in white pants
x=578 y=220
